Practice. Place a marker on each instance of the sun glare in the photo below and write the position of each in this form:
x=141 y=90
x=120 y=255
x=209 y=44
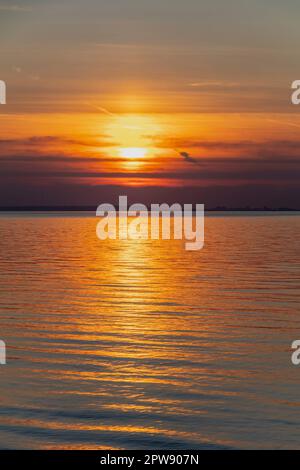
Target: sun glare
x=132 y=134
x=133 y=139
x=133 y=152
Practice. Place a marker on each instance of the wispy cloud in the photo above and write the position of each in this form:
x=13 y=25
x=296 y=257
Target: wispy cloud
x=19 y=70
x=214 y=84
x=16 y=8
x=40 y=145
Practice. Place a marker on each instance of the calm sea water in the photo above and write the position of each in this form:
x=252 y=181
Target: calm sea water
x=141 y=344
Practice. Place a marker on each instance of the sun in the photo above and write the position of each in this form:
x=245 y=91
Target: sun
x=132 y=134
x=134 y=153
x=132 y=139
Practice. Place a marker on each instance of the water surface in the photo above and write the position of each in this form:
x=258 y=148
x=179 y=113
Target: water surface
x=141 y=344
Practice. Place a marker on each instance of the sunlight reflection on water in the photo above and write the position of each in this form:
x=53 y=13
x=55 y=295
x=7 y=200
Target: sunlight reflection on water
x=141 y=344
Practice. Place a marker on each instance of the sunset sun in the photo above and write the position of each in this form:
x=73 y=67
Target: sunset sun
x=132 y=136
x=133 y=152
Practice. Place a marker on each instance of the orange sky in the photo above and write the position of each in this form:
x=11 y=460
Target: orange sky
x=131 y=94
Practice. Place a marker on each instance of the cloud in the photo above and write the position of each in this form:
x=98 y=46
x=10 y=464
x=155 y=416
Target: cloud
x=41 y=144
x=188 y=158
x=53 y=158
x=215 y=84
x=68 y=193
x=34 y=77
x=243 y=148
x=232 y=171
x=15 y=8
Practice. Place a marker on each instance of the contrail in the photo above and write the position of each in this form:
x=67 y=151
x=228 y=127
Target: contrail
x=99 y=108
x=109 y=113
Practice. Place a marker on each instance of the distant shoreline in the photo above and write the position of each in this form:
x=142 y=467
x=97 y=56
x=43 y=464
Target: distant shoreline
x=93 y=209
